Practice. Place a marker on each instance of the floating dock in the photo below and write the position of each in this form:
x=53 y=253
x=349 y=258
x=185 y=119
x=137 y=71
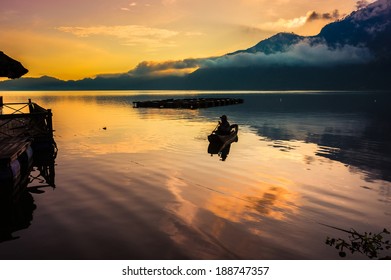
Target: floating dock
x=188 y=103
x=26 y=136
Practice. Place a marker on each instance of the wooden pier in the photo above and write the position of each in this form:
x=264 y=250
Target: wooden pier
x=25 y=120
x=26 y=135
x=188 y=103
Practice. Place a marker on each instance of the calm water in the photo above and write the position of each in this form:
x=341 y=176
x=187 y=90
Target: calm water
x=146 y=188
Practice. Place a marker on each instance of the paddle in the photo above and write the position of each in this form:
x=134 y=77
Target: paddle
x=216 y=127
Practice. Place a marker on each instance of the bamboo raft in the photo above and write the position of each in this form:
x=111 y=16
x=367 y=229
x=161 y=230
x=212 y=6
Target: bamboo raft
x=188 y=103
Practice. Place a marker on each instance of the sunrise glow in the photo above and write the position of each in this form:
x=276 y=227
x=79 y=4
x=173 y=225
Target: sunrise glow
x=77 y=39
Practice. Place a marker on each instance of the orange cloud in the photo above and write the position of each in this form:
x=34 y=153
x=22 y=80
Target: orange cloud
x=130 y=34
x=294 y=23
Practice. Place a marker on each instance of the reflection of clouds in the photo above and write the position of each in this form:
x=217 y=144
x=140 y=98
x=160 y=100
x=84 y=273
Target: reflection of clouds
x=184 y=223
x=181 y=206
x=222 y=222
x=197 y=203
x=275 y=202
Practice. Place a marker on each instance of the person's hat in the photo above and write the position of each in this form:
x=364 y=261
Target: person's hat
x=223 y=117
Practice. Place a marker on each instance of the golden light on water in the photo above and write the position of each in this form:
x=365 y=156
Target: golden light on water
x=143 y=178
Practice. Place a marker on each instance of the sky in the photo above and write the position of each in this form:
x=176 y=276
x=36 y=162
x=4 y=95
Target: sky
x=74 y=39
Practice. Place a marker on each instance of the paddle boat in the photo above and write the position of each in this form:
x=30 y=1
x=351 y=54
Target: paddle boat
x=220 y=144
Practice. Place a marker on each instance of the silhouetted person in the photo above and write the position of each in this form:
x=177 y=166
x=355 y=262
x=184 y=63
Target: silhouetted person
x=224 y=126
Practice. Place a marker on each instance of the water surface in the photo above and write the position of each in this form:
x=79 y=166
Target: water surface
x=137 y=183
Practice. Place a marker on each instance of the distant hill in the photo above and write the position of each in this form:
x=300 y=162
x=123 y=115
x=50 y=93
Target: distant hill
x=350 y=54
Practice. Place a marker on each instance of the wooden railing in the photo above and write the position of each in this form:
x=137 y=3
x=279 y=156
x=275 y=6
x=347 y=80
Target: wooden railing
x=25 y=120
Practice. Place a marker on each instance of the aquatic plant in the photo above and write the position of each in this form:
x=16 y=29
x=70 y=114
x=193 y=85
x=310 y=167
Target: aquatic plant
x=369 y=244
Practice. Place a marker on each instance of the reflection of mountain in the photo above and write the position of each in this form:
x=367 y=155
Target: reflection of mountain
x=355 y=130
x=363 y=151
x=353 y=53
x=358 y=151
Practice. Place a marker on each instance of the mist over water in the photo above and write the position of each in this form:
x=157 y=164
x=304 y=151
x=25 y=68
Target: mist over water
x=137 y=183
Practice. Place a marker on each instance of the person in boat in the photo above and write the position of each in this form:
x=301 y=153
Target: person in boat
x=224 y=127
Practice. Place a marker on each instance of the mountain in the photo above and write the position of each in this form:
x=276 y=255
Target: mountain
x=370 y=27
x=350 y=54
x=353 y=53
x=277 y=43
x=42 y=83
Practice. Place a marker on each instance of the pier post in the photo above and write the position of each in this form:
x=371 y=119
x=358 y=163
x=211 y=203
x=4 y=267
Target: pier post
x=50 y=122
x=31 y=108
x=1 y=104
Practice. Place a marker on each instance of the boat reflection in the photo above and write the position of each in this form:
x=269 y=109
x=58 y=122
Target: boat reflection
x=217 y=149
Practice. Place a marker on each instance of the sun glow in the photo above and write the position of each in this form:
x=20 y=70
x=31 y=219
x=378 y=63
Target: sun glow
x=87 y=39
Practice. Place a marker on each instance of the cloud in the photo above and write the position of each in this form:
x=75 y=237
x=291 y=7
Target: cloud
x=300 y=21
x=130 y=34
x=311 y=16
x=285 y=23
x=301 y=54
x=131 y=5
x=178 y=67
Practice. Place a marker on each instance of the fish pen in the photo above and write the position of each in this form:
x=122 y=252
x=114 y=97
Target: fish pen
x=188 y=103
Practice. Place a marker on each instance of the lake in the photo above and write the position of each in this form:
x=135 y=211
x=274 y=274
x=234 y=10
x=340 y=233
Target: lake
x=138 y=183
